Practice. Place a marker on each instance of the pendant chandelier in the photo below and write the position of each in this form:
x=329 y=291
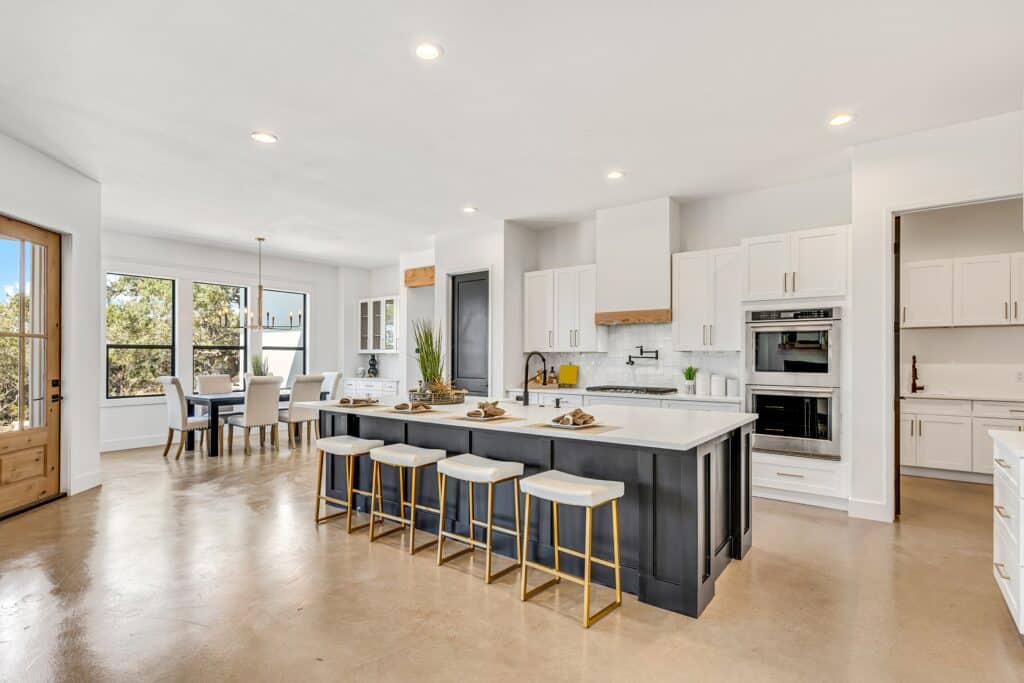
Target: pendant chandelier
x=257 y=320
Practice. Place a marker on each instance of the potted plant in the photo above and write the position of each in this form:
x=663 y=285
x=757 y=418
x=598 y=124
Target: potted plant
x=434 y=387
x=259 y=366
x=690 y=379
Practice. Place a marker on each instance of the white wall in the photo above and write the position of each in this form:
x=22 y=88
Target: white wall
x=524 y=247
x=723 y=220
x=415 y=303
x=962 y=163
x=36 y=189
x=482 y=249
x=130 y=423
x=567 y=244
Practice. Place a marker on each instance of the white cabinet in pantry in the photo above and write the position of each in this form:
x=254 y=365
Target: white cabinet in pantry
x=378 y=325
x=706 y=311
x=558 y=310
x=802 y=264
x=963 y=292
x=981 y=290
x=926 y=293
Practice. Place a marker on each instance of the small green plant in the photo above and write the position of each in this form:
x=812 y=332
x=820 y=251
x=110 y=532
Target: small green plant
x=689 y=373
x=259 y=366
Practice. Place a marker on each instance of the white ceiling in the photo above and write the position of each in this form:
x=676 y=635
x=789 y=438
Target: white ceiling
x=530 y=105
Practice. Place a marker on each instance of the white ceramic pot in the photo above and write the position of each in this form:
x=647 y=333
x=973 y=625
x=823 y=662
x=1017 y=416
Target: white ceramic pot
x=703 y=385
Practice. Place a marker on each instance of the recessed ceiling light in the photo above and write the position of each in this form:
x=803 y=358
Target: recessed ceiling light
x=428 y=52
x=840 y=120
x=615 y=174
x=263 y=136
x=469 y=209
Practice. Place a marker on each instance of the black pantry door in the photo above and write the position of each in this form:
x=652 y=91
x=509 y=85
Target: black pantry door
x=470 y=304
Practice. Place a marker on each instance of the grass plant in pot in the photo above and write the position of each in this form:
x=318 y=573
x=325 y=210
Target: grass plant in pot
x=434 y=387
x=690 y=379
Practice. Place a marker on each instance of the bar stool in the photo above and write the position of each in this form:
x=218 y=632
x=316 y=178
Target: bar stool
x=569 y=489
x=474 y=469
x=349 y=447
x=402 y=457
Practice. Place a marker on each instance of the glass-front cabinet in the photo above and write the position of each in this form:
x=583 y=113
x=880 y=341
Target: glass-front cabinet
x=378 y=325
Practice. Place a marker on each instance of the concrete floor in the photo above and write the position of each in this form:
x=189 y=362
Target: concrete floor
x=213 y=570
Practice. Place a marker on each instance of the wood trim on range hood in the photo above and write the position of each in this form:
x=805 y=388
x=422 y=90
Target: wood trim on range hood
x=419 y=277
x=652 y=315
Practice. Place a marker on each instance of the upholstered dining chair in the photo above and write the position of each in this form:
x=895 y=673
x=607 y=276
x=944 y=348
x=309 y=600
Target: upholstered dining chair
x=331 y=385
x=304 y=388
x=262 y=394
x=217 y=384
x=178 y=419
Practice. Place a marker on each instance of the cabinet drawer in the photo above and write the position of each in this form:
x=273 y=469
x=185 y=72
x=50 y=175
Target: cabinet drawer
x=1006 y=506
x=931 y=406
x=1010 y=411
x=804 y=475
x=388 y=388
x=1009 y=464
x=1006 y=571
x=25 y=464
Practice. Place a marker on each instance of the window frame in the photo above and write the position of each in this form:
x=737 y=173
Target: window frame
x=172 y=347
x=244 y=348
x=305 y=331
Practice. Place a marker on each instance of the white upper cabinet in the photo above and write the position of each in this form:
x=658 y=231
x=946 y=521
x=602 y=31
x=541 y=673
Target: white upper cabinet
x=981 y=290
x=926 y=293
x=767 y=267
x=378 y=325
x=558 y=310
x=802 y=264
x=1017 y=289
x=538 y=311
x=706 y=300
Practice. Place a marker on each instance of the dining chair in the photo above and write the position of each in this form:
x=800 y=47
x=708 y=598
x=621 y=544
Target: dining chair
x=331 y=385
x=262 y=394
x=217 y=384
x=178 y=419
x=304 y=388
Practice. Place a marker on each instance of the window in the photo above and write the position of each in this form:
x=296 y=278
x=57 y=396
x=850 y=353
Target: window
x=218 y=334
x=140 y=334
x=284 y=339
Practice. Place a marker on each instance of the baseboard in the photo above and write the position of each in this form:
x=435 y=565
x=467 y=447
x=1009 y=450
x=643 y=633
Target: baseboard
x=84 y=482
x=799 y=497
x=949 y=475
x=134 y=442
x=870 y=509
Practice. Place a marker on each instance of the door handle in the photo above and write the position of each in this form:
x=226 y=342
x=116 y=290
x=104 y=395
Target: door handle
x=790 y=474
x=1006 y=310
x=711 y=333
x=794 y=282
x=785 y=282
x=1002 y=463
x=904 y=314
x=56 y=398
x=551 y=338
x=1001 y=511
x=912 y=427
x=1015 y=314
x=703 y=334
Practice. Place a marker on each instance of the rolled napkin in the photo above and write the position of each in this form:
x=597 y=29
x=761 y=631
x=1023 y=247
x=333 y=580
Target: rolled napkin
x=486 y=409
x=346 y=401
x=414 y=407
x=576 y=418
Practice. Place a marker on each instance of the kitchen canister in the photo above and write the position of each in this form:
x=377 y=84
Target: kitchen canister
x=732 y=387
x=703 y=384
x=717 y=385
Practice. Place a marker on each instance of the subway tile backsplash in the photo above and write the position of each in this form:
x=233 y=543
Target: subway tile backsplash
x=611 y=368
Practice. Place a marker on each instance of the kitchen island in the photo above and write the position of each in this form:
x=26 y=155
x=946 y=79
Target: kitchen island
x=684 y=516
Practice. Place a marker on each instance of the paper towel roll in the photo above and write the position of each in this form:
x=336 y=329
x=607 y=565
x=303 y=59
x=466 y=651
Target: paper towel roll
x=717 y=385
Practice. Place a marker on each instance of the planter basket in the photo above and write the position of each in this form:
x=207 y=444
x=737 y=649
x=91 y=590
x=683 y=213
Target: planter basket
x=431 y=398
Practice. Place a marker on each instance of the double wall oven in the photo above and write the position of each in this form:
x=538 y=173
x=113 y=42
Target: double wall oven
x=792 y=377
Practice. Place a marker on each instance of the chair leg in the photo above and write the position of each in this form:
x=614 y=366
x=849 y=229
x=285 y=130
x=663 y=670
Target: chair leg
x=291 y=435
x=309 y=431
x=170 y=439
x=316 y=428
x=231 y=437
x=181 y=444
x=374 y=488
x=220 y=438
x=248 y=448
x=526 y=548
x=274 y=436
x=263 y=437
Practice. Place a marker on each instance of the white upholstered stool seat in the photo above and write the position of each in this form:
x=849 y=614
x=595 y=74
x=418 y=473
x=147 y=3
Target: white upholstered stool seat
x=404 y=455
x=469 y=467
x=347 y=445
x=569 y=489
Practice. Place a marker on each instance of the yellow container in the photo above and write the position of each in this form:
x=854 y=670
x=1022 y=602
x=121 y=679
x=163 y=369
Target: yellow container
x=568 y=375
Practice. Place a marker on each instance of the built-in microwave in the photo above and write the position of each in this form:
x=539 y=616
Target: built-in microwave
x=795 y=420
x=793 y=347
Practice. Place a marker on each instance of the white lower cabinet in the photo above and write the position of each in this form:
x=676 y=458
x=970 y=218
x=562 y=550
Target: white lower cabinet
x=369 y=387
x=711 y=406
x=941 y=442
x=1007 y=515
x=621 y=401
x=804 y=480
x=981 y=454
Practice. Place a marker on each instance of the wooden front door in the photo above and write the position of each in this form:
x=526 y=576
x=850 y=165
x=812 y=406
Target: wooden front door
x=29 y=365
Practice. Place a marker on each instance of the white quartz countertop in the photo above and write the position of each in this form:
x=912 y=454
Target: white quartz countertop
x=662 y=428
x=678 y=396
x=1012 y=441
x=963 y=396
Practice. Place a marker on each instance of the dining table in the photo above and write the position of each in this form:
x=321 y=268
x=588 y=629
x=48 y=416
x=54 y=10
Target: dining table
x=213 y=404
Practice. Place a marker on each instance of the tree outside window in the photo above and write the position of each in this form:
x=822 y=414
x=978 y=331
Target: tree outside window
x=140 y=334
x=218 y=342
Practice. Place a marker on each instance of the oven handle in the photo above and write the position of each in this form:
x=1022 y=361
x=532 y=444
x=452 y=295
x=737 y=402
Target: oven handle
x=812 y=392
x=774 y=326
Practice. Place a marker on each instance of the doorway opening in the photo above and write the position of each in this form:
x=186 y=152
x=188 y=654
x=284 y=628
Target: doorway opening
x=470 y=351
x=30 y=376
x=958 y=335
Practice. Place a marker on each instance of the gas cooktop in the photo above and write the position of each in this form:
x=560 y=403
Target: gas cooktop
x=633 y=390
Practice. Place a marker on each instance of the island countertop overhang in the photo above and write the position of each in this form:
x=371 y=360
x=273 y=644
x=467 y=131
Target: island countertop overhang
x=645 y=427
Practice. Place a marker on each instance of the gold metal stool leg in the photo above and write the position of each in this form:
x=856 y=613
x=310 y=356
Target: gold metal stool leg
x=321 y=493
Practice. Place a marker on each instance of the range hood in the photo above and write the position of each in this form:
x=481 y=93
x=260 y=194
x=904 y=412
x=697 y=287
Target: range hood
x=635 y=244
